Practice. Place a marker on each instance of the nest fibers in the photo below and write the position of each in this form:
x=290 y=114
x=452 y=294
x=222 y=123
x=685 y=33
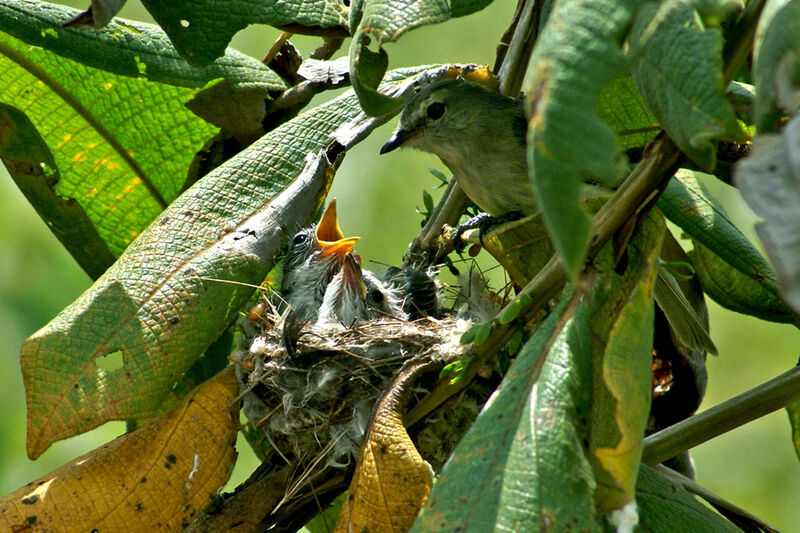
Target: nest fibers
x=314 y=406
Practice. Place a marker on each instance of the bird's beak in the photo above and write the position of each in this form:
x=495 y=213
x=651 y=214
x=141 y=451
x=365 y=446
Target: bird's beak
x=351 y=275
x=396 y=140
x=329 y=237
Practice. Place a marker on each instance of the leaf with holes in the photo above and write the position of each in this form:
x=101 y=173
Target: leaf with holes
x=200 y=30
x=183 y=280
x=156 y=478
x=378 y=22
x=127 y=48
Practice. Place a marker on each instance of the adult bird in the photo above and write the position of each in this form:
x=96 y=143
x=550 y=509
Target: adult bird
x=479 y=134
x=356 y=295
x=315 y=255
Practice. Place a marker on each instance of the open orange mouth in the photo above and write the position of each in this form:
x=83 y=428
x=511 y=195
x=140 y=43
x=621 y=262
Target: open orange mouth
x=329 y=237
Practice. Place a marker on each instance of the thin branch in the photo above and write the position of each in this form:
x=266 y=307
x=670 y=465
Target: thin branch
x=739 y=410
x=516 y=57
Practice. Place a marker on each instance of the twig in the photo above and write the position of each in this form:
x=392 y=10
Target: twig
x=275 y=48
x=516 y=57
x=739 y=410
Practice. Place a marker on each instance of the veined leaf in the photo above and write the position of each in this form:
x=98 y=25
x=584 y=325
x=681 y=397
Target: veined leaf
x=169 y=296
x=621 y=107
x=677 y=65
x=378 y=22
x=622 y=344
x=769 y=180
x=201 y=29
x=523 y=466
x=117 y=147
x=154 y=479
x=128 y=48
x=577 y=54
x=776 y=61
x=685 y=203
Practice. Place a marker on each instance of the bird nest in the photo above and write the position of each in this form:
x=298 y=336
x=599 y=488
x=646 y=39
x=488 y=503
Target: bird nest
x=314 y=405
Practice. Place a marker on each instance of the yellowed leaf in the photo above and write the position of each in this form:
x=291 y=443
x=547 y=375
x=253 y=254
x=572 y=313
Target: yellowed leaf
x=157 y=478
x=392 y=480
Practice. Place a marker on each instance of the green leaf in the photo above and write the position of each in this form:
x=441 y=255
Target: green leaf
x=127 y=48
x=378 y=22
x=427 y=199
x=769 y=180
x=665 y=507
x=776 y=59
x=621 y=107
x=677 y=65
x=31 y=164
x=202 y=29
x=166 y=299
x=733 y=290
x=685 y=203
x=622 y=314
x=118 y=146
x=522 y=466
x=577 y=54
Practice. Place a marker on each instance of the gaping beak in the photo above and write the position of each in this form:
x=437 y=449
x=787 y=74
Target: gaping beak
x=396 y=140
x=351 y=275
x=329 y=237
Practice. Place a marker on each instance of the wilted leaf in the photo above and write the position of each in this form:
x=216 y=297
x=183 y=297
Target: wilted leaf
x=769 y=180
x=166 y=298
x=523 y=466
x=99 y=13
x=685 y=203
x=577 y=54
x=677 y=65
x=158 y=477
x=665 y=507
x=237 y=112
x=622 y=343
x=101 y=132
x=776 y=60
x=127 y=48
x=201 y=29
x=733 y=290
x=31 y=164
x=378 y=22
x=392 y=479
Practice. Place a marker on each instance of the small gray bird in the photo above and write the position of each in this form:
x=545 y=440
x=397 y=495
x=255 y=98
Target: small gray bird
x=355 y=295
x=314 y=257
x=416 y=289
x=479 y=135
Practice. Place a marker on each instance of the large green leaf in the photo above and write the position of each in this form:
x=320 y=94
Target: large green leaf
x=378 y=22
x=31 y=164
x=622 y=314
x=201 y=29
x=127 y=48
x=523 y=465
x=677 y=65
x=685 y=203
x=769 y=180
x=665 y=507
x=119 y=147
x=776 y=61
x=621 y=107
x=166 y=298
x=577 y=54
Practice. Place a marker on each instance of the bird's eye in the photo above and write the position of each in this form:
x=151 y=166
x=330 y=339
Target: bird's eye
x=435 y=110
x=300 y=238
x=376 y=295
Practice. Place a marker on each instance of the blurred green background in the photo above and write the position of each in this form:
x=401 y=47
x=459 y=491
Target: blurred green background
x=754 y=466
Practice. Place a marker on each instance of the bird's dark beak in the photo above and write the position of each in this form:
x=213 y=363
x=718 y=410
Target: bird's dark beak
x=351 y=275
x=396 y=140
x=329 y=237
